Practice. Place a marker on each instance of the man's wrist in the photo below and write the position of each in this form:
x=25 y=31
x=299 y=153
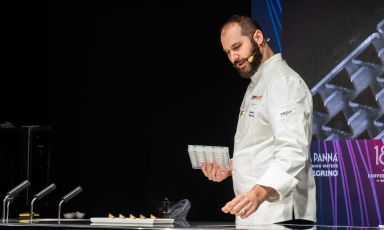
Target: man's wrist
x=264 y=193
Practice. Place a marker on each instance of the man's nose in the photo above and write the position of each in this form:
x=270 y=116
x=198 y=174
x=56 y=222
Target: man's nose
x=233 y=57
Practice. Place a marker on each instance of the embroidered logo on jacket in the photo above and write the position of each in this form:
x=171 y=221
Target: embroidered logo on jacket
x=256 y=97
x=286 y=113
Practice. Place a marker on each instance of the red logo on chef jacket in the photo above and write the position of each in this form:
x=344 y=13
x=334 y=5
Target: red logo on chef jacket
x=256 y=97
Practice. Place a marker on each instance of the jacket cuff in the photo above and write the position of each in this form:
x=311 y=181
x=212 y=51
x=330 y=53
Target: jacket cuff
x=280 y=181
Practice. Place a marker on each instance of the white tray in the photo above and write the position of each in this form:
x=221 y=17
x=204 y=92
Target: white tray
x=128 y=221
x=200 y=153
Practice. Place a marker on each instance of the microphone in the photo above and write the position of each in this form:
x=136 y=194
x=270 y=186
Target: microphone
x=250 y=58
x=45 y=192
x=39 y=196
x=23 y=185
x=10 y=195
x=71 y=194
x=66 y=198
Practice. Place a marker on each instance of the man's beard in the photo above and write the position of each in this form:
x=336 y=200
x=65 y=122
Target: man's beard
x=254 y=65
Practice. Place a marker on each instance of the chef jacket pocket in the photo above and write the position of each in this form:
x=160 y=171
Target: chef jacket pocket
x=254 y=117
x=254 y=110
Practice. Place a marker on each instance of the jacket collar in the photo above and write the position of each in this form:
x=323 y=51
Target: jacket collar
x=264 y=66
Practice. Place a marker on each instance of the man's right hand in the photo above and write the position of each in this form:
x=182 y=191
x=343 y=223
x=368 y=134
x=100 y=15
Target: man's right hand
x=214 y=172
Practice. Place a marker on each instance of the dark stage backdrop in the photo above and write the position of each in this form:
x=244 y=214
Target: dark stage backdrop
x=125 y=86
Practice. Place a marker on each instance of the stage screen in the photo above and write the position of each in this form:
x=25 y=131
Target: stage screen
x=337 y=47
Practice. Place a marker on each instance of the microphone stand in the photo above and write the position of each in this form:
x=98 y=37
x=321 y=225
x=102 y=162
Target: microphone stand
x=66 y=198
x=58 y=217
x=39 y=196
x=4 y=204
x=8 y=202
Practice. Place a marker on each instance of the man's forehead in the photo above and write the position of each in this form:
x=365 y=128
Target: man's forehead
x=231 y=36
x=232 y=29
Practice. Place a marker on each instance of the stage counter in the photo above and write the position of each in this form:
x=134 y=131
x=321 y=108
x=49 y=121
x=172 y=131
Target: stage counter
x=185 y=225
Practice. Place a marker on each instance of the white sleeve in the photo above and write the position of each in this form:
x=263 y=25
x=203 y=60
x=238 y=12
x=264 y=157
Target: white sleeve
x=289 y=110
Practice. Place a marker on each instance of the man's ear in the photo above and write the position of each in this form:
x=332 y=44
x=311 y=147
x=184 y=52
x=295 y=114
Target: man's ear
x=258 y=37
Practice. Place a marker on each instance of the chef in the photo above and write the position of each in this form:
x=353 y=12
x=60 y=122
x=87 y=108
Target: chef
x=271 y=167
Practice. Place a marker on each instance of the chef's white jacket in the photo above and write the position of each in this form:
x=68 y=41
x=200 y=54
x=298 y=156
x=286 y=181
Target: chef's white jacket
x=272 y=144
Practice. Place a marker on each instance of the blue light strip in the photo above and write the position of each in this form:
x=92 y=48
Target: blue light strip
x=274 y=26
x=279 y=5
x=275 y=14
